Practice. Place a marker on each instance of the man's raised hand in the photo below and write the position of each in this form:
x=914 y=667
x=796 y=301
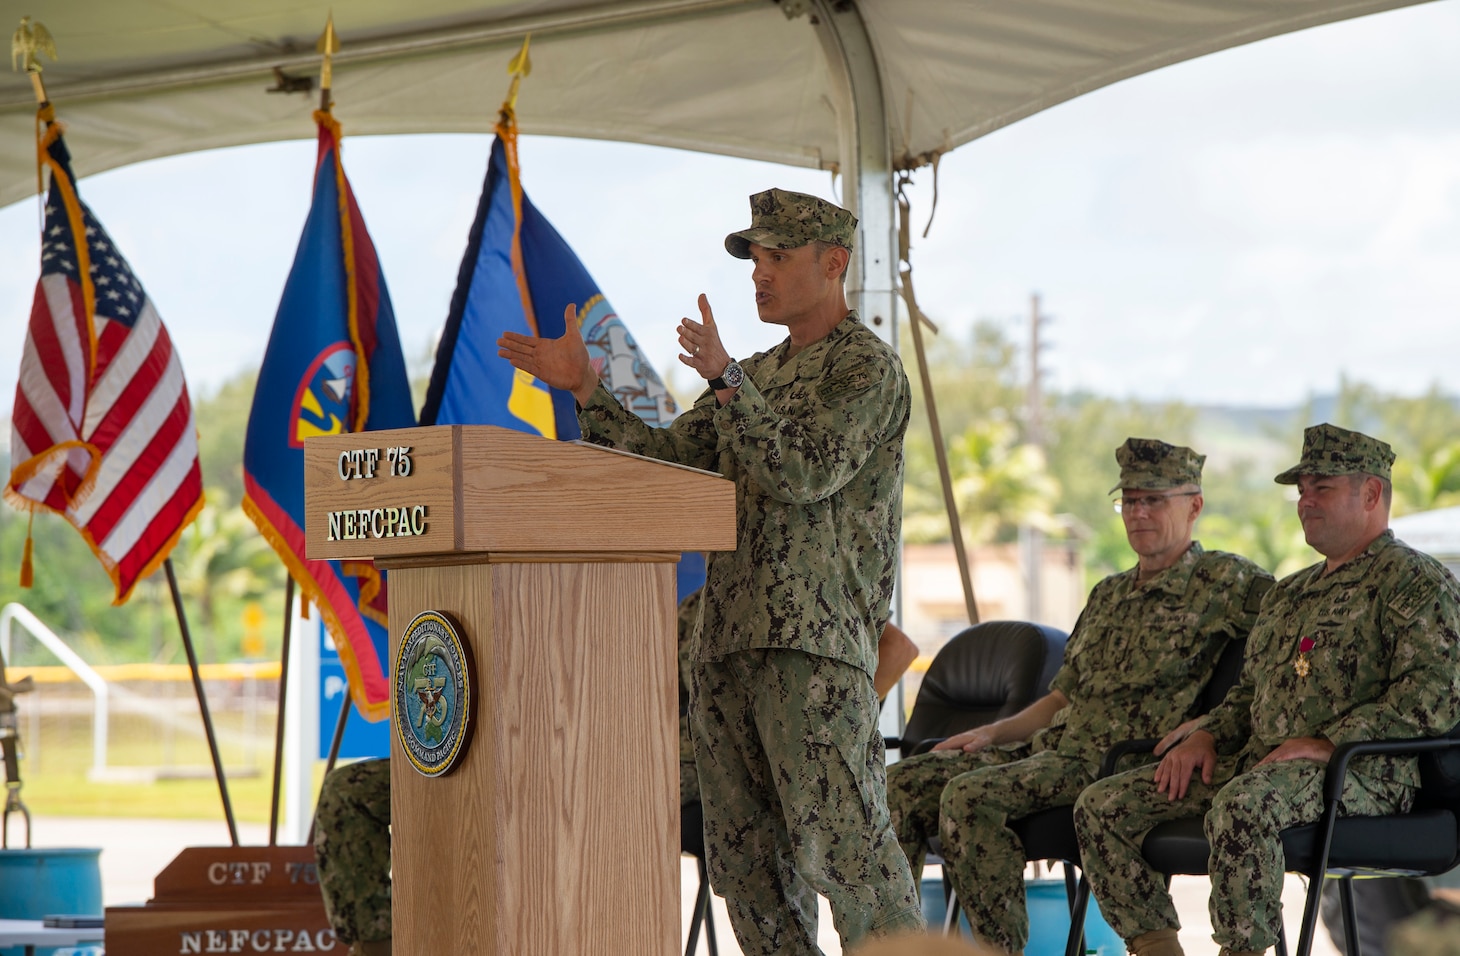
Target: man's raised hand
x=561 y=362
x=700 y=340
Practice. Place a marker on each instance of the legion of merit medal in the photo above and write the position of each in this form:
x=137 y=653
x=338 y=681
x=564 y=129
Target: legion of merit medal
x=1300 y=664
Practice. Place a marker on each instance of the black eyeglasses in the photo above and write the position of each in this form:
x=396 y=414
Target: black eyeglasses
x=1150 y=502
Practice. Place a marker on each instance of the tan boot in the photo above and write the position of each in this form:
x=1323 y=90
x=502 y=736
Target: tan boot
x=374 y=947
x=1160 y=942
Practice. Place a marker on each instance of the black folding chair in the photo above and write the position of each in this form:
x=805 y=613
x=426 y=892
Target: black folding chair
x=1423 y=842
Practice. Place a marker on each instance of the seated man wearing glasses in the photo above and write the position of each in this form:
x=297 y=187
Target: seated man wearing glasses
x=1139 y=656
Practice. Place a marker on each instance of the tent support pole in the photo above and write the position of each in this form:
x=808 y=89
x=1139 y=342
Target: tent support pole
x=866 y=148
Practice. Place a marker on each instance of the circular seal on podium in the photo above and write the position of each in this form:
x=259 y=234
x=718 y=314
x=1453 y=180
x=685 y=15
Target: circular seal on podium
x=432 y=697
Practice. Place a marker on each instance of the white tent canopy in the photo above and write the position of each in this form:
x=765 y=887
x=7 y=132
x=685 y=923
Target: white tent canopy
x=750 y=78
x=860 y=86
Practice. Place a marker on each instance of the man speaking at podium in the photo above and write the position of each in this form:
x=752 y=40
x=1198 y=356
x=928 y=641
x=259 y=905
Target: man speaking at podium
x=784 y=712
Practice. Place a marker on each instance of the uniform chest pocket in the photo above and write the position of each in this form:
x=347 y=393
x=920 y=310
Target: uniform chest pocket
x=1165 y=640
x=1273 y=638
x=790 y=399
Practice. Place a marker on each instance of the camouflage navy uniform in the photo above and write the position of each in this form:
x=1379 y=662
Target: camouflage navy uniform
x=784 y=713
x=352 y=848
x=689 y=620
x=1368 y=650
x=1134 y=666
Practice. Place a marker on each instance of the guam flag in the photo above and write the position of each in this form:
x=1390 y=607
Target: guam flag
x=519 y=274
x=333 y=365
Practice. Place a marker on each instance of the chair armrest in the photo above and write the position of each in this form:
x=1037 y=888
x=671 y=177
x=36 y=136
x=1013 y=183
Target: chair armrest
x=1338 y=762
x=1337 y=771
x=911 y=748
x=1124 y=749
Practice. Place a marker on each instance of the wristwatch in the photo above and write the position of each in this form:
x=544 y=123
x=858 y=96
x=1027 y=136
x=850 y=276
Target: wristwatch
x=730 y=378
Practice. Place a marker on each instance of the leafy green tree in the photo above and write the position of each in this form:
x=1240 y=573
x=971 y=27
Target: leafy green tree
x=222 y=419
x=998 y=485
x=220 y=559
x=999 y=480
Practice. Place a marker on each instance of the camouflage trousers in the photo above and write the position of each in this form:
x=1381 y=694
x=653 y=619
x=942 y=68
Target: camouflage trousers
x=352 y=847
x=967 y=800
x=689 y=776
x=793 y=783
x=1244 y=813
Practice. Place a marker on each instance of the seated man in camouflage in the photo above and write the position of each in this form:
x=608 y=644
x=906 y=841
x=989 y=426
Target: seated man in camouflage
x=1137 y=660
x=1363 y=645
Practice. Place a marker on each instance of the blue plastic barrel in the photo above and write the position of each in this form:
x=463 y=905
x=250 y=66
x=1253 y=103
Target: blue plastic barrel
x=51 y=881
x=1049 y=919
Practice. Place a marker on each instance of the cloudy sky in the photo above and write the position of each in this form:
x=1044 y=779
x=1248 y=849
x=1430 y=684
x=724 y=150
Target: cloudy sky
x=1244 y=228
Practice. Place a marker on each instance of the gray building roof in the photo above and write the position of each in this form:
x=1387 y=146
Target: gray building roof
x=1433 y=532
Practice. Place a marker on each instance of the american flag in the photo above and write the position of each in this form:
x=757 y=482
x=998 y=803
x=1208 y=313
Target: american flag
x=103 y=429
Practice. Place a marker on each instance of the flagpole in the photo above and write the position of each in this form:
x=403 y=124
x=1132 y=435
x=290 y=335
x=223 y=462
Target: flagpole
x=187 y=639
x=25 y=44
x=334 y=754
x=283 y=697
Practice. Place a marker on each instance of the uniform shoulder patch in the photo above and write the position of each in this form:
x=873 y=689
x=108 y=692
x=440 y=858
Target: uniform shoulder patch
x=1421 y=589
x=1256 y=591
x=845 y=384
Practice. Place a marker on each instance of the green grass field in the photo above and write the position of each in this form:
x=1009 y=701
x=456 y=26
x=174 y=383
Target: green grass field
x=57 y=755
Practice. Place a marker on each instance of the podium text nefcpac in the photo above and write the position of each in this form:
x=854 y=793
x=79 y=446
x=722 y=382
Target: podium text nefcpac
x=556 y=832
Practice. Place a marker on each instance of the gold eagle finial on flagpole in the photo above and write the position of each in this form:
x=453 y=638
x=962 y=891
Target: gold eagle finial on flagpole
x=328 y=46
x=29 y=40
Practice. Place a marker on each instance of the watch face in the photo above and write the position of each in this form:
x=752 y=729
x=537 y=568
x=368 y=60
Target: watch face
x=733 y=375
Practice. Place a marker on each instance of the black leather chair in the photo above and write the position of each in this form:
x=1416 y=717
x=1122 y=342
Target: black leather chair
x=987 y=672
x=692 y=841
x=1423 y=842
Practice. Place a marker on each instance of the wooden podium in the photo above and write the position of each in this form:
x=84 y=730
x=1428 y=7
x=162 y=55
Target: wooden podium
x=556 y=831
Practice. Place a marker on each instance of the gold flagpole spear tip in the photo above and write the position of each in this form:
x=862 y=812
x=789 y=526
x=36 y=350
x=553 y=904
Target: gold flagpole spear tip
x=328 y=46
x=29 y=40
x=518 y=67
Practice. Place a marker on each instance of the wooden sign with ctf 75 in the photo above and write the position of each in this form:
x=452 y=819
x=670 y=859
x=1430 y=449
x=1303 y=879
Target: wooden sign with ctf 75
x=228 y=899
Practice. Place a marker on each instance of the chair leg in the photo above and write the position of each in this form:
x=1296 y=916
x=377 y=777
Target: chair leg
x=1350 y=916
x=1282 y=943
x=950 y=911
x=701 y=913
x=1310 y=914
x=710 y=920
x=1075 y=942
x=1071 y=892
